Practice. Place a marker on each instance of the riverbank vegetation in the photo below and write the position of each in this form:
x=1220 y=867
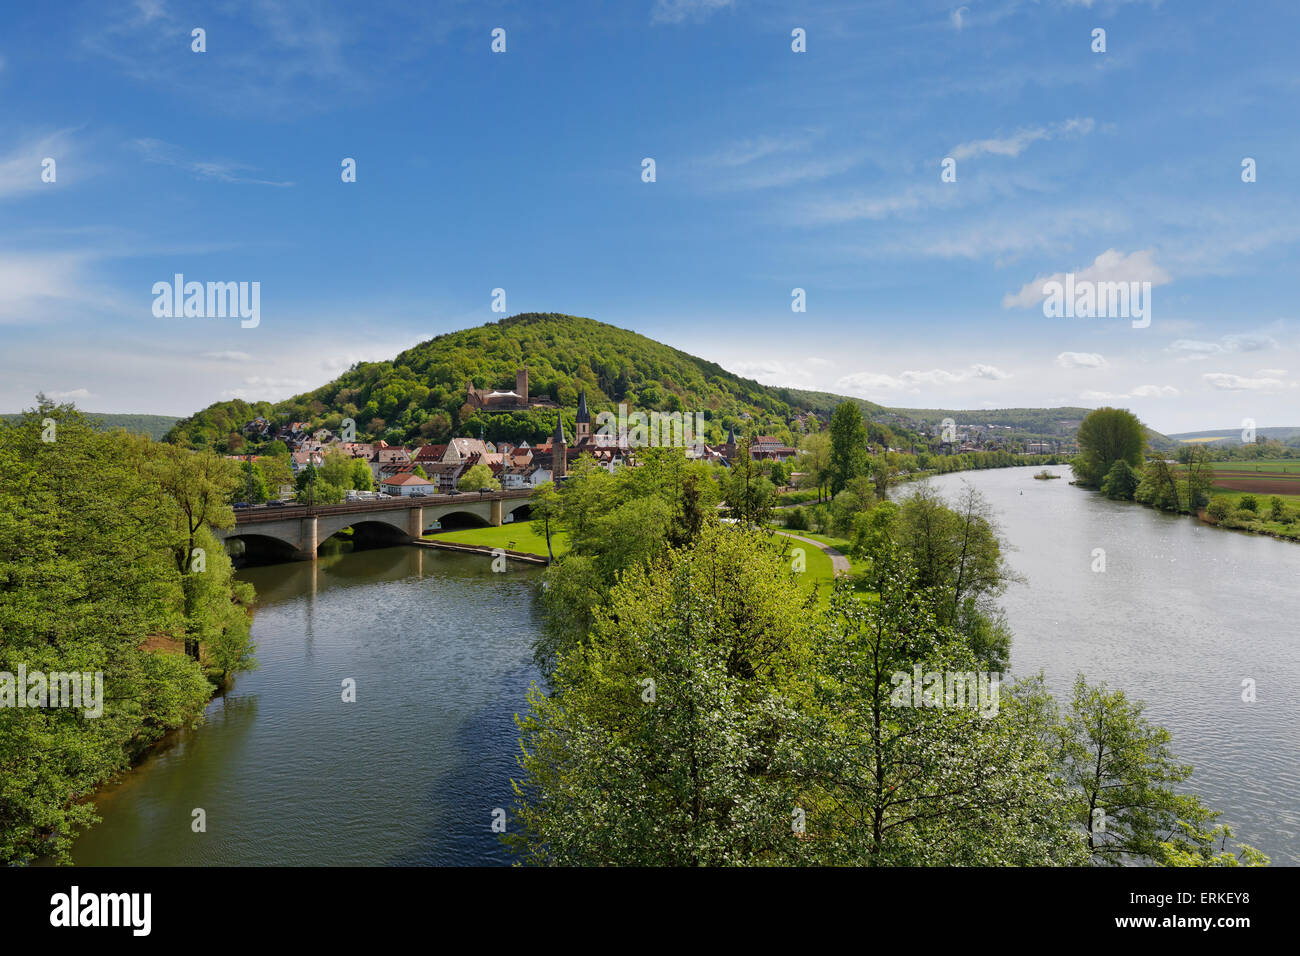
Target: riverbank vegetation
x=702 y=708
x=1261 y=495
x=107 y=563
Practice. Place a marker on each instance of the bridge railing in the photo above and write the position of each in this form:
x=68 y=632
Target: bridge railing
x=253 y=515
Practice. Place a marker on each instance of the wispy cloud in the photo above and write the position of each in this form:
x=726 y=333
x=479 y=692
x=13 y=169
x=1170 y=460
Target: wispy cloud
x=20 y=169
x=1199 y=349
x=1227 y=382
x=677 y=11
x=1081 y=360
x=225 y=171
x=913 y=380
x=1021 y=140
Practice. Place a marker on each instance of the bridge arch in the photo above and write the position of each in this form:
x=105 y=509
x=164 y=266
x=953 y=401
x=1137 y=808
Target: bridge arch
x=249 y=547
x=523 y=511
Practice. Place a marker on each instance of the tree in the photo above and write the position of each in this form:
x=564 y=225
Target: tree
x=252 y=486
x=1121 y=482
x=545 y=504
x=1198 y=476
x=661 y=743
x=814 y=462
x=1159 y=487
x=1105 y=436
x=848 y=446
x=1123 y=775
x=94 y=529
x=898 y=776
x=750 y=496
x=478 y=478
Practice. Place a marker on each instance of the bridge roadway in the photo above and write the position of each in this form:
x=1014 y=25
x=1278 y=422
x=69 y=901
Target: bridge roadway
x=304 y=527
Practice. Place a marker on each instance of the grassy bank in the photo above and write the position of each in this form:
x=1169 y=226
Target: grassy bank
x=526 y=536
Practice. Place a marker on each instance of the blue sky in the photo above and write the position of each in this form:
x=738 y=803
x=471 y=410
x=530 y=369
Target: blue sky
x=774 y=170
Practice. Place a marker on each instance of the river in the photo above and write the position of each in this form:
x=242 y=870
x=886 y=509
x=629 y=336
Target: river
x=287 y=773
x=1182 y=614
x=440 y=649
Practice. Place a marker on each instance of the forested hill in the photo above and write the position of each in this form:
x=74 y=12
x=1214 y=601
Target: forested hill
x=420 y=396
x=155 y=426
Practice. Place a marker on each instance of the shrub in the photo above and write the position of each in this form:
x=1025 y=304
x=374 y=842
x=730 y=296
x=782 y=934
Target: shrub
x=1248 y=503
x=1244 y=516
x=796 y=518
x=1277 y=508
x=1219 y=508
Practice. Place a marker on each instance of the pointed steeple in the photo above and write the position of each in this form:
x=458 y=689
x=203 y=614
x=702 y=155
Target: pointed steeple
x=583 y=415
x=731 y=435
x=558 y=438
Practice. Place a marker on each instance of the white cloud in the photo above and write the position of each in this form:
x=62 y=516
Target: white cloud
x=225 y=171
x=1111 y=266
x=1195 y=349
x=1081 y=360
x=1227 y=382
x=1021 y=140
x=675 y=11
x=72 y=394
x=1141 y=391
x=228 y=356
x=20 y=169
x=913 y=380
x=268 y=388
x=957 y=17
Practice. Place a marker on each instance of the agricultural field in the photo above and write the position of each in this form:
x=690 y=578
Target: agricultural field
x=1278 y=477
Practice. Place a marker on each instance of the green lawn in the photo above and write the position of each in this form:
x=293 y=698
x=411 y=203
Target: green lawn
x=526 y=536
x=839 y=544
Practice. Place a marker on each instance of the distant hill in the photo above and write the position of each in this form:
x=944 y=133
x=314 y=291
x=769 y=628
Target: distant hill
x=155 y=426
x=1287 y=434
x=420 y=395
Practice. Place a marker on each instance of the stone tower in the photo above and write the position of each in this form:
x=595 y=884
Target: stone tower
x=559 y=450
x=521 y=385
x=582 y=428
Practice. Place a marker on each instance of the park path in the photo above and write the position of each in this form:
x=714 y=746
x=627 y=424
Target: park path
x=839 y=563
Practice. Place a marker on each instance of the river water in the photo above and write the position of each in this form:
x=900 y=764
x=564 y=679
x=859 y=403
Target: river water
x=439 y=647
x=287 y=773
x=1182 y=614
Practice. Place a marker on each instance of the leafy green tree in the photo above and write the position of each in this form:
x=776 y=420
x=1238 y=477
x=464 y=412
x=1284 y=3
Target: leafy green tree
x=1159 y=487
x=848 y=446
x=1121 y=482
x=1124 y=775
x=95 y=528
x=478 y=478
x=1105 y=436
x=362 y=478
x=661 y=743
x=893 y=780
x=252 y=486
x=545 y=504
x=750 y=495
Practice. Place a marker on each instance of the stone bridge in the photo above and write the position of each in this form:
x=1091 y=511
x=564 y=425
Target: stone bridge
x=301 y=528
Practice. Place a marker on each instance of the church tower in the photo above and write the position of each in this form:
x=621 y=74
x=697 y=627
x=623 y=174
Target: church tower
x=582 y=429
x=730 y=446
x=559 y=451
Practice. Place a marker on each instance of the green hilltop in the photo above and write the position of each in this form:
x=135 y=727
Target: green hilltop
x=155 y=426
x=420 y=395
